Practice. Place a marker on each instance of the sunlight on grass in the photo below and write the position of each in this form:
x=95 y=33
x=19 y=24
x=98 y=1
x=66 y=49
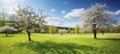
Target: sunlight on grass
x=57 y=44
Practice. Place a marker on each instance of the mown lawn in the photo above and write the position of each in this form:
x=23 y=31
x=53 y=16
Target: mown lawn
x=57 y=44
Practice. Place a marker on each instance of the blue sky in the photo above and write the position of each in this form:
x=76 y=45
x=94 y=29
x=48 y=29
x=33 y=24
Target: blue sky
x=64 y=11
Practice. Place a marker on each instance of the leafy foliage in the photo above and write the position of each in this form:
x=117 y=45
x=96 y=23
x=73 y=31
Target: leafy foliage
x=77 y=29
x=51 y=29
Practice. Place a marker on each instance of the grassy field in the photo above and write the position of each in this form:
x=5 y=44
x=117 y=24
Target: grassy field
x=57 y=44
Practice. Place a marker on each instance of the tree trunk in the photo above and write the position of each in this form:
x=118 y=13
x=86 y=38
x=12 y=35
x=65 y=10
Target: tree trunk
x=28 y=32
x=95 y=37
x=6 y=34
x=94 y=30
x=102 y=32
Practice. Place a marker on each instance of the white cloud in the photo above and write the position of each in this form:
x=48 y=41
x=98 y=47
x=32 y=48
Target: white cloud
x=10 y=9
x=53 y=10
x=8 y=5
x=55 y=21
x=10 y=1
x=63 y=11
x=69 y=24
x=110 y=12
x=117 y=12
x=75 y=13
x=114 y=13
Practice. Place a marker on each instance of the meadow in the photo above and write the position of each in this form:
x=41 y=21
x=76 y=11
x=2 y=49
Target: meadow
x=83 y=43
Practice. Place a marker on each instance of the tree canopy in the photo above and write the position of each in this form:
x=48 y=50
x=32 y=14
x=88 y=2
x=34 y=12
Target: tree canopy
x=102 y=16
x=27 y=18
x=7 y=29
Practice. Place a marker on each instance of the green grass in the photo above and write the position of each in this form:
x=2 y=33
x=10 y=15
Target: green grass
x=57 y=44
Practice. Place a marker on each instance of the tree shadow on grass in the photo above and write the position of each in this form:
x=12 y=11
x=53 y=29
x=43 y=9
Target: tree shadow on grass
x=49 y=47
x=108 y=38
x=114 y=39
x=8 y=36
